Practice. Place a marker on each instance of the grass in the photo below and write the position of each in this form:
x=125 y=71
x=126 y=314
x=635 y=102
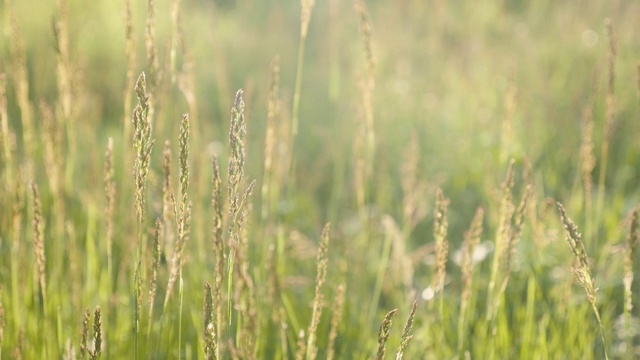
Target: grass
x=456 y=150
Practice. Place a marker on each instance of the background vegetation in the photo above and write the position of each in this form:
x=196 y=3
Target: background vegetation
x=434 y=136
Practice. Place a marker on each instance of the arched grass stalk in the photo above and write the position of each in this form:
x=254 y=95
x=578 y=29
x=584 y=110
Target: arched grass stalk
x=581 y=268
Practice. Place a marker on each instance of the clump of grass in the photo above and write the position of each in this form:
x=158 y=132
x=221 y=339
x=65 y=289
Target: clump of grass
x=321 y=274
x=581 y=268
x=406 y=337
x=383 y=334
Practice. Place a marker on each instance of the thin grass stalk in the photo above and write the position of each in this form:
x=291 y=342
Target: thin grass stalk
x=383 y=334
x=502 y=239
x=305 y=18
x=318 y=300
x=109 y=209
x=270 y=136
x=155 y=264
x=338 y=307
x=369 y=83
x=581 y=268
x=17 y=209
x=633 y=240
x=218 y=250
x=471 y=241
x=21 y=80
x=587 y=164
x=130 y=55
x=610 y=112
x=6 y=138
x=38 y=244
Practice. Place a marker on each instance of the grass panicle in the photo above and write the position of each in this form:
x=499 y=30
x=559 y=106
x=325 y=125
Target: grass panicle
x=38 y=244
x=442 y=245
x=406 y=337
x=84 y=335
x=301 y=345
x=336 y=318
x=110 y=202
x=130 y=55
x=383 y=334
x=143 y=144
x=270 y=137
x=471 y=241
x=581 y=268
x=218 y=246
x=155 y=267
x=210 y=343
x=318 y=300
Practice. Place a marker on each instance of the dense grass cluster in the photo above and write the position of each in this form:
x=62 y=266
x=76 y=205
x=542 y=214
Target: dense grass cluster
x=418 y=179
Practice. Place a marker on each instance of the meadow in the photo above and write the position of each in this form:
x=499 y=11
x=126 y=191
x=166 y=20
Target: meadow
x=230 y=179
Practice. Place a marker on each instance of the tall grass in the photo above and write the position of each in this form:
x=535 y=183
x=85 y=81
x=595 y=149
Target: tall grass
x=109 y=249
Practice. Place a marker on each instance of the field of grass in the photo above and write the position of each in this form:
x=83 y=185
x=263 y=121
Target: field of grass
x=230 y=179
